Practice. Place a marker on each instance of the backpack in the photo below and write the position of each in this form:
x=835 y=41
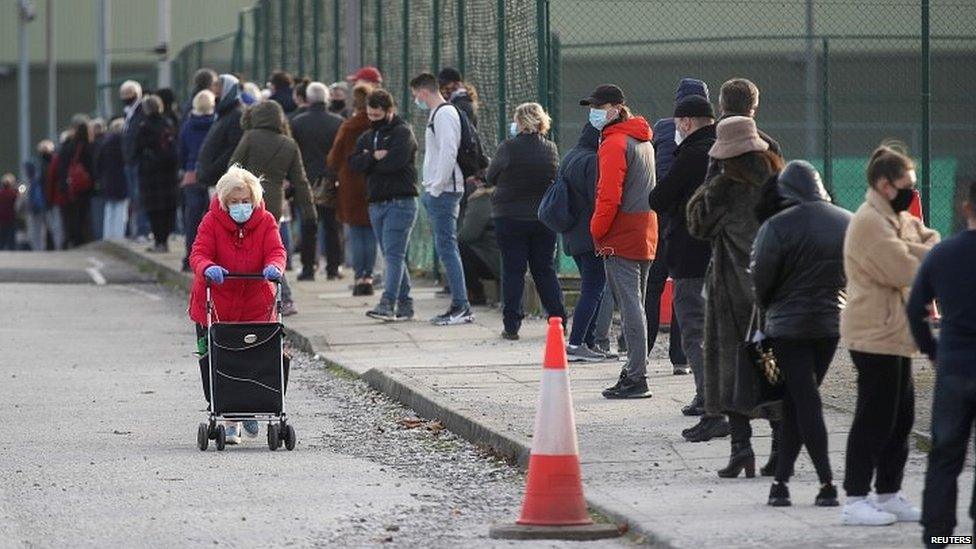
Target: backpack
x=554 y=210
x=471 y=155
x=79 y=180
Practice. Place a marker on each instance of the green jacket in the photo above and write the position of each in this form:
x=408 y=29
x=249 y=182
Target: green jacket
x=268 y=151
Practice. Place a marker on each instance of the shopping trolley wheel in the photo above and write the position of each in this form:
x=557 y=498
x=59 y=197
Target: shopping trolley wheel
x=290 y=437
x=274 y=437
x=212 y=430
x=221 y=438
x=203 y=437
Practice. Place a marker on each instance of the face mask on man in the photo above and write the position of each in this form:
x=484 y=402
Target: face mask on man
x=337 y=105
x=598 y=118
x=241 y=212
x=678 y=138
x=422 y=105
x=128 y=100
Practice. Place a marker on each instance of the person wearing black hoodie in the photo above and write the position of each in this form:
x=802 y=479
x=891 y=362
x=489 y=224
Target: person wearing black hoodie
x=579 y=170
x=797 y=266
x=281 y=91
x=458 y=93
x=386 y=154
x=224 y=134
x=686 y=257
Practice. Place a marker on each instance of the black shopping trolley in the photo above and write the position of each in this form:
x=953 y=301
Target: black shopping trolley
x=245 y=374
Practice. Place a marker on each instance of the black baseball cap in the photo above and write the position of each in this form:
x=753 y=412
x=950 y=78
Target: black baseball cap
x=448 y=75
x=607 y=93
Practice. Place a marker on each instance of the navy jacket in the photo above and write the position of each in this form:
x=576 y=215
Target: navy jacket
x=131 y=133
x=194 y=131
x=946 y=275
x=664 y=147
x=110 y=168
x=579 y=170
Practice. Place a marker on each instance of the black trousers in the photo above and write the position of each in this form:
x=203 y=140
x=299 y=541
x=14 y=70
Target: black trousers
x=804 y=364
x=333 y=240
x=475 y=270
x=652 y=310
x=307 y=246
x=877 y=445
x=161 y=222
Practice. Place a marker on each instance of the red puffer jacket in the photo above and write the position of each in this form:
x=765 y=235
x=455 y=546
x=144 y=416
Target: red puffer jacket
x=247 y=248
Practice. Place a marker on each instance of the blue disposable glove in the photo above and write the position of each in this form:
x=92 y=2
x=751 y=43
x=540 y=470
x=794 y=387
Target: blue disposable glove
x=215 y=273
x=271 y=273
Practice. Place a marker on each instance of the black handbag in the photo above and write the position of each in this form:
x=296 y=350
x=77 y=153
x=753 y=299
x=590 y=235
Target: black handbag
x=756 y=361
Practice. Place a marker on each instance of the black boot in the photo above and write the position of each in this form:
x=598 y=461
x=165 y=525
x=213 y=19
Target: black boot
x=742 y=458
x=707 y=429
x=694 y=408
x=827 y=497
x=779 y=495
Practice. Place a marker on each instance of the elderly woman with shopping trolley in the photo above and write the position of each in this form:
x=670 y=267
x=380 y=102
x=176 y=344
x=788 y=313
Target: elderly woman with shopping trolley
x=237 y=260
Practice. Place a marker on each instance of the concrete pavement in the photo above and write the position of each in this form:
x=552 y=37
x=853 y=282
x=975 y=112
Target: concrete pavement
x=636 y=466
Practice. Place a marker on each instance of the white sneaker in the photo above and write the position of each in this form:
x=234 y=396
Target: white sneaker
x=233 y=433
x=899 y=506
x=862 y=513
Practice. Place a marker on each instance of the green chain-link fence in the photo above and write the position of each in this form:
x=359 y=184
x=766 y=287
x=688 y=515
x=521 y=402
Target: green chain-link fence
x=837 y=76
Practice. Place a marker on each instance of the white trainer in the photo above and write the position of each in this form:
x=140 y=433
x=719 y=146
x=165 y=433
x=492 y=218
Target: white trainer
x=233 y=433
x=862 y=513
x=897 y=505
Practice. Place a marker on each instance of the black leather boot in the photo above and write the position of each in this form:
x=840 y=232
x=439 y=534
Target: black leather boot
x=742 y=458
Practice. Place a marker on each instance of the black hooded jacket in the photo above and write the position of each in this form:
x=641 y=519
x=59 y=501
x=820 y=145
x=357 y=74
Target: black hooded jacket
x=222 y=139
x=395 y=176
x=579 y=170
x=797 y=259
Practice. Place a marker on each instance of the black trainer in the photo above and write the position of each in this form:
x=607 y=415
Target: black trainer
x=628 y=388
x=827 y=497
x=713 y=427
x=453 y=316
x=779 y=495
x=307 y=275
x=694 y=408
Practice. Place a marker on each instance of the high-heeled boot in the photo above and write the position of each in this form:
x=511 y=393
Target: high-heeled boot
x=769 y=469
x=742 y=458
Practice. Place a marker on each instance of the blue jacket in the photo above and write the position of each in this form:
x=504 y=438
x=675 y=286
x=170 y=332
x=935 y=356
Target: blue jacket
x=192 y=134
x=579 y=170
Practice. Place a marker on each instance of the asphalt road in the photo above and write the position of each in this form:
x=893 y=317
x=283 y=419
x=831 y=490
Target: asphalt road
x=103 y=399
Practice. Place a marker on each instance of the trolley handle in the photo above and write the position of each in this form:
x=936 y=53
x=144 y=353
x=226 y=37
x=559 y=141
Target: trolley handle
x=246 y=276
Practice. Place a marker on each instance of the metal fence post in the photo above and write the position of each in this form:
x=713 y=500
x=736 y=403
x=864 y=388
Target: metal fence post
x=267 y=41
x=316 y=31
x=501 y=71
x=436 y=58
x=237 y=61
x=282 y=22
x=828 y=165
x=461 y=53
x=199 y=54
x=926 y=113
x=406 y=104
x=555 y=51
x=300 y=16
x=379 y=34
x=337 y=39
x=256 y=42
x=542 y=44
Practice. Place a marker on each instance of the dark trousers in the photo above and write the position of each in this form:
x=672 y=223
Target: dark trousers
x=652 y=309
x=333 y=240
x=527 y=243
x=877 y=445
x=196 y=202
x=475 y=270
x=307 y=245
x=161 y=222
x=8 y=237
x=953 y=414
x=804 y=364
x=593 y=279
x=77 y=221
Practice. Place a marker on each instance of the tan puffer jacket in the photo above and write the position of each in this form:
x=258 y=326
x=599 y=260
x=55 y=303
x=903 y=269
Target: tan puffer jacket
x=882 y=253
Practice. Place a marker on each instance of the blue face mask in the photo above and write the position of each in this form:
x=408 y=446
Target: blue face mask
x=420 y=104
x=598 y=118
x=241 y=212
x=513 y=129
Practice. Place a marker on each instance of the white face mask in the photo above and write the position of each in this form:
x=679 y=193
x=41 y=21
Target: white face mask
x=678 y=138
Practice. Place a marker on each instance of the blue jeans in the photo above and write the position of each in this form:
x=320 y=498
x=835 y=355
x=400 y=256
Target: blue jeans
x=98 y=217
x=196 y=202
x=532 y=244
x=284 y=229
x=443 y=213
x=953 y=414
x=138 y=220
x=593 y=279
x=392 y=223
x=362 y=246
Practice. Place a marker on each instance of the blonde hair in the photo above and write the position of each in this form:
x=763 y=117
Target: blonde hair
x=152 y=104
x=533 y=118
x=203 y=102
x=239 y=178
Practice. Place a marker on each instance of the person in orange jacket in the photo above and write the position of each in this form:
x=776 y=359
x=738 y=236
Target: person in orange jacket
x=624 y=228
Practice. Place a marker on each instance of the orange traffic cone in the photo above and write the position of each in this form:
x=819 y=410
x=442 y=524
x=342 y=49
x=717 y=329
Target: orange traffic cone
x=554 y=506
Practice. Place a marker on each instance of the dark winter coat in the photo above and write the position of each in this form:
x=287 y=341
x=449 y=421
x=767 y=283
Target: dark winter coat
x=192 y=135
x=246 y=248
x=67 y=155
x=269 y=153
x=579 y=171
x=798 y=259
x=522 y=170
x=130 y=134
x=686 y=256
x=395 y=176
x=221 y=140
x=110 y=168
x=315 y=132
x=284 y=98
x=465 y=104
x=351 y=206
x=721 y=211
x=665 y=148
x=477 y=230
x=156 y=147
